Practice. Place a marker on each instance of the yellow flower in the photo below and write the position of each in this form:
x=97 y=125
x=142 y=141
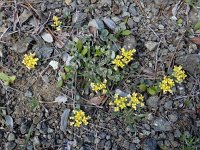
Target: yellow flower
x=123 y=59
x=99 y=86
x=179 y=74
x=135 y=100
x=119 y=103
x=56 y=23
x=79 y=118
x=29 y=61
x=167 y=84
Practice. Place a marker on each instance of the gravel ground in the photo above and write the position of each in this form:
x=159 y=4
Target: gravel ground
x=171 y=121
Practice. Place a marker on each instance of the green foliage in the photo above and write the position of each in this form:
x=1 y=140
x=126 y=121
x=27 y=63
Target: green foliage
x=180 y=22
x=79 y=45
x=142 y=87
x=153 y=90
x=6 y=78
x=130 y=116
x=192 y=3
x=189 y=142
x=33 y=104
x=197 y=26
x=59 y=83
x=126 y=32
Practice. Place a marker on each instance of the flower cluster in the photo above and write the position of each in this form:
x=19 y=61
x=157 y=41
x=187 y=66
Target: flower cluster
x=79 y=118
x=132 y=101
x=135 y=100
x=29 y=61
x=56 y=23
x=124 y=58
x=119 y=102
x=179 y=74
x=167 y=84
x=99 y=87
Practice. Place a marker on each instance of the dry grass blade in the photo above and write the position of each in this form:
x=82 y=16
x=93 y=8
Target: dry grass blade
x=68 y=2
x=99 y=100
x=196 y=40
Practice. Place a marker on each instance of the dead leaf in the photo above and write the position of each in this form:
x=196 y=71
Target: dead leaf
x=99 y=100
x=47 y=37
x=196 y=40
x=149 y=71
x=68 y=2
x=61 y=99
x=175 y=10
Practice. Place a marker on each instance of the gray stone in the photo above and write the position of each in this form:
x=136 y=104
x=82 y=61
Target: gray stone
x=42 y=51
x=11 y=137
x=93 y=1
x=36 y=141
x=168 y=105
x=109 y=23
x=137 y=19
x=89 y=139
x=107 y=137
x=173 y=117
x=28 y=94
x=102 y=143
x=161 y=27
x=10 y=145
x=190 y=62
x=150 y=45
x=136 y=140
x=130 y=23
x=106 y=2
x=150 y=144
x=102 y=135
x=198 y=123
x=79 y=18
x=125 y=14
x=132 y=10
x=24 y=127
x=129 y=43
x=181 y=89
x=21 y=46
x=108 y=145
x=161 y=124
x=132 y=146
x=152 y=101
x=126 y=144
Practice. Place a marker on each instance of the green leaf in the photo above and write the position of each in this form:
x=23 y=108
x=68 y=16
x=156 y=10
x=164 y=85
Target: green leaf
x=153 y=90
x=180 y=21
x=117 y=35
x=12 y=78
x=7 y=79
x=59 y=83
x=197 y=26
x=104 y=32
x=142 y=87
x=4 y=77
x=126 y=32
x=63 y=75
x=84 y=51
x=79 y=45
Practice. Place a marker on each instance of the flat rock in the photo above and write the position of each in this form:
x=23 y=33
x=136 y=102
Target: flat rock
x=129 y=43
x=150 y=45
x=161 y=124
x=22 y=45
x=152 y=101
x=190 y=63
x=11 y=137
x=150 y=144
